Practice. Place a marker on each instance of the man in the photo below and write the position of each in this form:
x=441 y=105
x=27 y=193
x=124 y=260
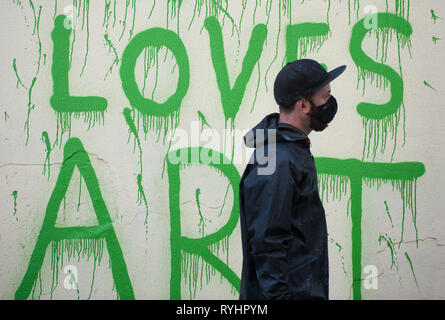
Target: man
x=283 y=223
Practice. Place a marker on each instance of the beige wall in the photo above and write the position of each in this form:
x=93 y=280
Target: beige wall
x=389 y=218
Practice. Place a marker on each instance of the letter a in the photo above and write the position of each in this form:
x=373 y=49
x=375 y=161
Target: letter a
x=75 y=155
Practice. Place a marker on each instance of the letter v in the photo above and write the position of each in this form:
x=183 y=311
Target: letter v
x=231 y=98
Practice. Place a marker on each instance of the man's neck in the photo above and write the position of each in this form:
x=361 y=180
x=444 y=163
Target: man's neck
x=295 y=121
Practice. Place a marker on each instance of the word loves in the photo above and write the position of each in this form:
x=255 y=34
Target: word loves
x=223 y=309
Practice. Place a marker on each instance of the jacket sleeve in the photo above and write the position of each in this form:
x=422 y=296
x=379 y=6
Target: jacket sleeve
x=269 y=200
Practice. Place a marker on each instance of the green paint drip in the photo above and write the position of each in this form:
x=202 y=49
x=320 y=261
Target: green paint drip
x=257 y=87
x=31 y=106
x=82 y=248
x=151 y=11
x=201 y=224
x=429 y=86
x=340 y=249
x=19 y=81
x=80 y=192
x=39 y=42
x=356 y=8
x=332 y=185
x=86 y=9
x=141 y=196
x=134 y=131
x=45 y=140
x=224 y=201
x=390 y=245
x=276 y=46
x=33 y=292
x=388 y=214
x=412 y=269
x=111 y=47
x=303 y=38
x=141 y=193
x=18 y=3
x=14 y=195
x=6 y=117
x=124 y=22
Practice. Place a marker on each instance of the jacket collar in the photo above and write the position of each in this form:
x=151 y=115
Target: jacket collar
x=284 y=132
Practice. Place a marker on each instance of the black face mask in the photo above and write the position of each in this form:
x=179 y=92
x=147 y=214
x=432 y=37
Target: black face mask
x=323 y=114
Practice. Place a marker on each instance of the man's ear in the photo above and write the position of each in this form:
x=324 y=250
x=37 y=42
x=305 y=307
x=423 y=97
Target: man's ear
x=302 y=105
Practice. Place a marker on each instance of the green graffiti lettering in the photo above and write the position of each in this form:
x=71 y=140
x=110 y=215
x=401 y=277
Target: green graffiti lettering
x=231 y=98
x=71 y=237
x=61 y=101
x=402 y=176
x=385 y=115
x=155 y=114
x=188 y=251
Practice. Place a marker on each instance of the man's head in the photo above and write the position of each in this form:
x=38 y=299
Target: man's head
x=302 y=88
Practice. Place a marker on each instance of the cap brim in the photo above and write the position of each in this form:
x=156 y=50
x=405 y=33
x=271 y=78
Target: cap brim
x=333 y=74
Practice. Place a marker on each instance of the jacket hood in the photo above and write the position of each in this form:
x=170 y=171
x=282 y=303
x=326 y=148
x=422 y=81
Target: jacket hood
x=284 y=132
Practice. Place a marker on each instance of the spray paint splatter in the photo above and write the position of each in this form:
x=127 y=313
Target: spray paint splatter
x=203 y=120
x=434 y=17
x=429 y=86
x=47 y=164
x=435 y=39
x=14 y=195
x=340 y=249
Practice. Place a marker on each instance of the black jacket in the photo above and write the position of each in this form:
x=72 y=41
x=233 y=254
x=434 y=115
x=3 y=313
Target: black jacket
x=283 y=223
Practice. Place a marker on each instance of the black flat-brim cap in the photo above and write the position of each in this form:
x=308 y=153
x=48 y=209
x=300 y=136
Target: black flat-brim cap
x=331 y=76
x=301 y=78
